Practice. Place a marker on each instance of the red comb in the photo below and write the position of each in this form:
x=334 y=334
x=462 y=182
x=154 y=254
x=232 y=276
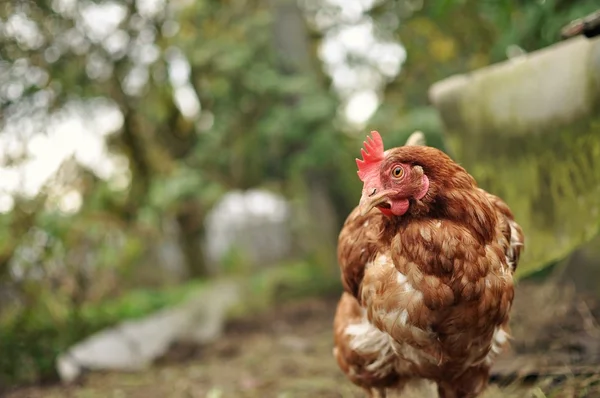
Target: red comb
x=372 y=154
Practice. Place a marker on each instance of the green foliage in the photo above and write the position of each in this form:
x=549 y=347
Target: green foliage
x=31 y=340
x=30 y=344
x=443 y=38
x=234 y=262
x=264 y=121
x=290 y=280
x=425 y=119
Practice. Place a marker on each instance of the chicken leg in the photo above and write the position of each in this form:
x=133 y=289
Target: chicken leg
x=468 y=385
x=376 y=392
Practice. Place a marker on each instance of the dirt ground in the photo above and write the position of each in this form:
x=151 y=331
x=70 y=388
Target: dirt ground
x=288 y=353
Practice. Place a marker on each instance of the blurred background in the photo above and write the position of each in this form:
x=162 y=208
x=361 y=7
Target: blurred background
x=184 y=166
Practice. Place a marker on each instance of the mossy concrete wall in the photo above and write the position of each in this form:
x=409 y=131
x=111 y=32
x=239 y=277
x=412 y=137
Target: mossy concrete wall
x=528 y=130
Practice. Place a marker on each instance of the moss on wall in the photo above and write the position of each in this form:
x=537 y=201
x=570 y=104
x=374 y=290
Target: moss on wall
x=545 y=163
x=551 y=181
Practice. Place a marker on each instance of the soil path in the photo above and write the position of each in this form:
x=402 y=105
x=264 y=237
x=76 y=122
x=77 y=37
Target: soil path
x=287 y=353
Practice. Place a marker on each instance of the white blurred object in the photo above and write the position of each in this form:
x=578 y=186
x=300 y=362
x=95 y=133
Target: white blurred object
x=255 y=222
x=133 y=345
x=513 y=51
x=416 y=139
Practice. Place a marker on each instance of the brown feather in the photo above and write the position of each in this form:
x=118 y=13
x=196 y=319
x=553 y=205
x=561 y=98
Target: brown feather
x=437 y=281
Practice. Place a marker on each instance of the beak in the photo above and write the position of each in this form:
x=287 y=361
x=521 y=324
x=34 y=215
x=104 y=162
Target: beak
x=368 y=202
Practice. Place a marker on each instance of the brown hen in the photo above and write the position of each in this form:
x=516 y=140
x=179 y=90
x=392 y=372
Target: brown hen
x=427 y=261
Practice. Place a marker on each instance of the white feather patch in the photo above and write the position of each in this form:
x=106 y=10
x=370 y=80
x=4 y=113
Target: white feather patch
x=403 y=283
x=514 y=243
x=366 y=339
x=498 y=340
x=401 y=279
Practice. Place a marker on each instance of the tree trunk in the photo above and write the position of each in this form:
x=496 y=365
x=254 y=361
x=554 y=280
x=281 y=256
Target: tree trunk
x=190 y=219
x=291 y=38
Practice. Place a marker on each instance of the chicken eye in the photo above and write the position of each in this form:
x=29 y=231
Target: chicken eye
x=397 y=172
